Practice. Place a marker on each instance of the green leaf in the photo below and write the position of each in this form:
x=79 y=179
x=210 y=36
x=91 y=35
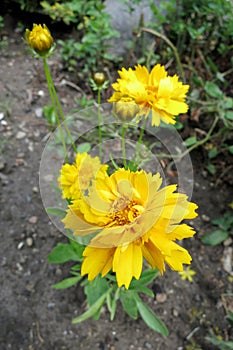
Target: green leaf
x=93 y=310
x=68 y=282
x=230 y=149
x=83 y=147
x=215 y=237
x=78 y=248
x=230 y=317
x=150 y=318
x=112 y=303
x=211 y=168
x=190 y=141
x=221 y=344
x=128 y=303
x=213 y=90
x=62 y=253
x=178 y=125
x=229 y=115
x=95 y=289
x=146 y=277
x=145 y=290
x=213 y=153
x=76 y=267
x=61 y=213
x=228 y=103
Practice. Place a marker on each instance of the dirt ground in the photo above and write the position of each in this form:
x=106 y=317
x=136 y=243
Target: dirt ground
x=34 y=316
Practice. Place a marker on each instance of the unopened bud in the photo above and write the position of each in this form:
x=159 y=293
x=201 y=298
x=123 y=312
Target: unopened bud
x=39 y=39
x=99 y=78
x=125 y=109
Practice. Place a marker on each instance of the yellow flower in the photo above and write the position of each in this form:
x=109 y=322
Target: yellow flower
x=39 y=39
x=133 y=219
x=187 y=274
x=156 y=91
x=76 y=178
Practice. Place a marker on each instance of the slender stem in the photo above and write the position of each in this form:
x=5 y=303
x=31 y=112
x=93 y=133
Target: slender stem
x=167 y=41
x=123 y=131
x=99 y=123
x=56 y=103
x=139 y=142
x=53 y=101
x=197 y=144
x=142 y=132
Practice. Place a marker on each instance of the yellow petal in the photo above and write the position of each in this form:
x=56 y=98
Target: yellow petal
x=127 y=263
x=178 y=258
x=96 y=260
x=153 y=256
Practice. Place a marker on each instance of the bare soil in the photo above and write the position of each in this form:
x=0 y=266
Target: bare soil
x=34 y=316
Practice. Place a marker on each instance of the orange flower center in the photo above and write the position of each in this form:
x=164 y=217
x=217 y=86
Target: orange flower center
x=124 y=213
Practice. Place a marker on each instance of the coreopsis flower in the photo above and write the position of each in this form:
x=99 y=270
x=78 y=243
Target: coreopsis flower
x=132 y=218
x=155 y=91
x=76 y=178
x=187 y=274
x=40 y=40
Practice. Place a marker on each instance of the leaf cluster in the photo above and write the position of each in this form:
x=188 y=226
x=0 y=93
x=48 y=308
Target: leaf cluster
x=102 y=291
x=223 y=230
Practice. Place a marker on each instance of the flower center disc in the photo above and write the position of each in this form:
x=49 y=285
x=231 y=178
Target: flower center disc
x=127 y=214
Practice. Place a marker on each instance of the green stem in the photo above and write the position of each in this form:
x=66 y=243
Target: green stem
x=169 y=43
x=124 y=128
x=99 y=123
x=197 y=144
x=56 y=104
x=52 y=98
x=139 y=142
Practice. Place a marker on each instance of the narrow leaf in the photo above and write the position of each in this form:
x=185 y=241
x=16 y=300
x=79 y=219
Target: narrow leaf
x=215 y=237
x=92 y=310
x=190 y=141
x=150 y=318
x=68 y=282
x=62 y=253
x=213 y=90
x=61 y=213
x=83 y=147
x=146 y=277
x=128 y=303
x=94 y=289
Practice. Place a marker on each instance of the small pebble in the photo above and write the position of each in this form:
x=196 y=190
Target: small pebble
x=39 y=112
x=2 y=164
x=161 y=297
x=29 y=241
x=35 y=189
x=205 y=218
x=175 y=313
x=20 y=245
x=51 y=305
x=33 y=219
x=20 y=135
x=19 y=267
x=41 y=93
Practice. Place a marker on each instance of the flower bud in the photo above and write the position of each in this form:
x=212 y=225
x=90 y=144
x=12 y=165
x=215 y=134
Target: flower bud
x=39 y=39
x=99 y=78
x=125 y=109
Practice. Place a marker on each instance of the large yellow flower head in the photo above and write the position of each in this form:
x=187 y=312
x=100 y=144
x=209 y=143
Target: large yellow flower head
x=156 y=91
x=76 y=178
x=39 y=39
x=132 y=218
